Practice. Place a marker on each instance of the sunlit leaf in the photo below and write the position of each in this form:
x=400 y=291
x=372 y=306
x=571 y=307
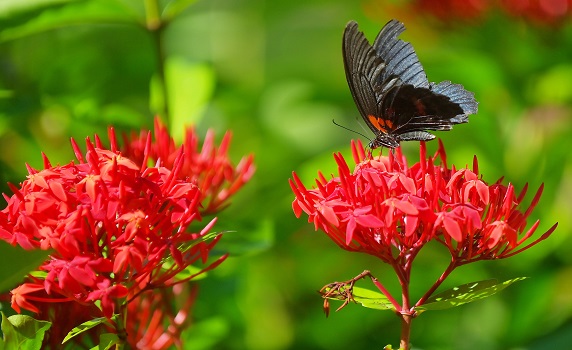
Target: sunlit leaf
x=189 y=87
x=23 y=332
x=15 y=7
x=187 y=272
x=169 y=262
x=466 y=293
x=204 y=238
x=372 y=299
x=368 y=298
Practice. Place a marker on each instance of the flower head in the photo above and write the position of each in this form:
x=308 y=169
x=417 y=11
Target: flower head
x=208 y=167
x=119 y=227
x=390 y=209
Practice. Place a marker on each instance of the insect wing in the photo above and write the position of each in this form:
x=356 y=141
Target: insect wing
x=457 y=94
x=399 y=57
x=363 y=67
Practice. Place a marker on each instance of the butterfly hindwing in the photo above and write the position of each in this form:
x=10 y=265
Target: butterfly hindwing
x=457 y=94
x=422 y=109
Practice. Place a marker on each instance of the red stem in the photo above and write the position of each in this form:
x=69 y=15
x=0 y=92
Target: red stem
x=405 y=331
x=437 y=283
x=385 y=292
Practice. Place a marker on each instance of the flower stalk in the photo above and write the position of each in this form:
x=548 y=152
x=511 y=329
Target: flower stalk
x=391 y=210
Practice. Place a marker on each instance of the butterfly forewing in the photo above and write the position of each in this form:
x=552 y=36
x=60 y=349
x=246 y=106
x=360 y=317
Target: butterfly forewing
x=399 y=56
x=363 y=67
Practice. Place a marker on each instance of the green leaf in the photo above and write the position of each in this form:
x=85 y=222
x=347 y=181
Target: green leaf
x=207 y=237
x=23 y=332
x=106 y=341
x=372 y=299
x=21 y=262
x=187 y=272
x=85 y=326
x=175 y=7
x=169 y=262
x=67 y=14
x=368 y=298
x=466 y=293
x=14 y=7
x=189 y=87
x=257 y=237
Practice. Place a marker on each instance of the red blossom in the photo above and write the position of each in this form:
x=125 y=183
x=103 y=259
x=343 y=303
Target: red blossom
x=389 y=209
x=119 y=227
x=454 y=9
x=159 y=320
x=540 y=11
x=209 y=167
x=551 y=12
x=23 y=295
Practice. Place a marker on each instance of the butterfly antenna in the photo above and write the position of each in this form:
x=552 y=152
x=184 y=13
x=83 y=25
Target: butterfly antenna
x=343 y=127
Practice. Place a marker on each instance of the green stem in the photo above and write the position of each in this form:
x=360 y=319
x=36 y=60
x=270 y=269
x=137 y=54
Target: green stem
x=152 y=15
x=120 y=325
x=156 y=26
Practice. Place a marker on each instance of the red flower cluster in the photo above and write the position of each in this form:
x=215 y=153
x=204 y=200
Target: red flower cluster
x=119 y=228
x=457 y=9
x=391 y=210
x=209 y=167
x=541 y=11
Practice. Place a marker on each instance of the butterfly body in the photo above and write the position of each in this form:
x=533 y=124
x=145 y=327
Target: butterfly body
x=391 y=90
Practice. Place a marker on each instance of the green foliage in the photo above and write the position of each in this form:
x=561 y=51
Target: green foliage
x=465 y=293
x=370 y=299
x=22 y=332
x=86 y=326
x=107 y=341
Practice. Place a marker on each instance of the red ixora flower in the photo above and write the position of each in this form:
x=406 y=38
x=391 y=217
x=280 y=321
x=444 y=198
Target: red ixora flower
x=118 y=227
x=210 y=168
x=389 y=209
x=453 y=9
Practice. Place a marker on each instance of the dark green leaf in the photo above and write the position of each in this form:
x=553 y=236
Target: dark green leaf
x=106 y=341
x=466 y=293
x=21 y=262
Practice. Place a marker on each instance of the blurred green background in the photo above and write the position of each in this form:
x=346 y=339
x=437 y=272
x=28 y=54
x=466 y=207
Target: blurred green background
x=272 y=72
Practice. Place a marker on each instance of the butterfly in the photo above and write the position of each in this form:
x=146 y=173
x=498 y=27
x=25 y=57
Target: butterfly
x=391 y=90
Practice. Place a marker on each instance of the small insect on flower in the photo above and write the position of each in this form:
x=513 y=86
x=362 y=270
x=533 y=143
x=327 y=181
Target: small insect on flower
x=391 y=90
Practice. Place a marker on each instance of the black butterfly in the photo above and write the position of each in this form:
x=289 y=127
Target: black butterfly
x=391 y=90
